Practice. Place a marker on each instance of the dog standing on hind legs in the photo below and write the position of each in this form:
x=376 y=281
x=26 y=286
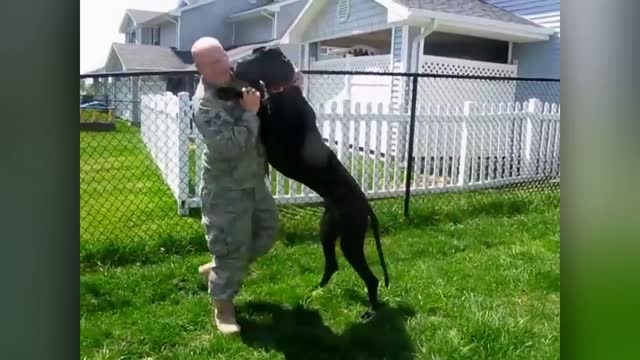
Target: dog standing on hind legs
x=296 y=149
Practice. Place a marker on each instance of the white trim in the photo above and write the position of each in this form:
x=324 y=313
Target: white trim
x=127 y=15
x=178 y=33
x=275 y=26
x=532 y=31
x=233 y=34
x=396 y=11
x=181 y=10
x=421 y=48
x=248 y=14
x=393 y=36
x=424 y=32
x=307 y=61
x=401 y=15
x=393 y=7
x=404 y=50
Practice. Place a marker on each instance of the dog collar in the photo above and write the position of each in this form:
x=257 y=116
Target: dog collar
x=275 y=90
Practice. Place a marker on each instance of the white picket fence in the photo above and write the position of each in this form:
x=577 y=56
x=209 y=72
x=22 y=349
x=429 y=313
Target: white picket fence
x=455 y=148
x=165 y=129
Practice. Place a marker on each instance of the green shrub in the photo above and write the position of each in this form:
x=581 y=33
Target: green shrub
x=91 y=115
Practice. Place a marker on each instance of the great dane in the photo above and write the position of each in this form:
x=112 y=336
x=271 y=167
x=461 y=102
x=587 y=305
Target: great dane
x=295 y=148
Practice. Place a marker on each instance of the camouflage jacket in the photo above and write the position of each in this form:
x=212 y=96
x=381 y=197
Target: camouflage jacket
x=234 y=157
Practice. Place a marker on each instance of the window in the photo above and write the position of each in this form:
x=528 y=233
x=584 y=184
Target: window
x=155 y=36
x=343 y=10
x=131 y=37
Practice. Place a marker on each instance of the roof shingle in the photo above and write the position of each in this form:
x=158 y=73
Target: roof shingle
x=476 y=8
x=149 y=57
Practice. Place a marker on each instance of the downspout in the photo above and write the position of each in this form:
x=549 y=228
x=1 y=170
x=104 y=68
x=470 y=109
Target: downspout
x=178 y=33
x=274 y=23
x=415 y=45
x=233 y=34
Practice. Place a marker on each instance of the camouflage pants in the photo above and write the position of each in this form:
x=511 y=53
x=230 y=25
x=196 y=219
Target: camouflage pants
x=240 y=226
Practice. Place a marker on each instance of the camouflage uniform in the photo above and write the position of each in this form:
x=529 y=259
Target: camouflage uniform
x=238 y=211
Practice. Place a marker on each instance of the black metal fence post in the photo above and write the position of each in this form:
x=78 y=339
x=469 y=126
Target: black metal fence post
x=412 y=129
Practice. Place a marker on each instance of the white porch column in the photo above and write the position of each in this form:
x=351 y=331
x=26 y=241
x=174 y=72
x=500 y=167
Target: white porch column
x=400 y=92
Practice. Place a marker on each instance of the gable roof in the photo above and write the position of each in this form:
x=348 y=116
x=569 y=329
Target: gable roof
x=475 y=8
x=138 y=17
x=136 y=57
x=94 y=71
x=462 y=16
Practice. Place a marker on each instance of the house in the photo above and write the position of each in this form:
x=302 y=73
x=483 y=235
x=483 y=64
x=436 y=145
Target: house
x=448 y=37
x=540 y=59
x=454 y=37
x=240 y=25
x=161 y=41
x=460 y=37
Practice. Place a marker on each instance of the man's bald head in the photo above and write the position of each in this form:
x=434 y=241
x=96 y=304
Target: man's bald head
x=211 y=61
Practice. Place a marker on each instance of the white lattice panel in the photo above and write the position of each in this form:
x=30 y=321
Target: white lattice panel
x=378 y=63
x=450 y=66
x=455 y=91
x=372 y=89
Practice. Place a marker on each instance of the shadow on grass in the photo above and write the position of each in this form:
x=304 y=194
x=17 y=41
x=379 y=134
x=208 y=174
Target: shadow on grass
x=303 y=225
x=300 y=333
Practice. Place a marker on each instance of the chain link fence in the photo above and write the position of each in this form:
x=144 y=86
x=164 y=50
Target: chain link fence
x=404 y=137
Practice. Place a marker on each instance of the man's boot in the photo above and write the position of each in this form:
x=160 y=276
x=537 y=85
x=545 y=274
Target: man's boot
x=224 y=317
x=204 y=271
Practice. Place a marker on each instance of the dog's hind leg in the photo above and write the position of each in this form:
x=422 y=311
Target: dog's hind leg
x=329 y=228
x=352 y=245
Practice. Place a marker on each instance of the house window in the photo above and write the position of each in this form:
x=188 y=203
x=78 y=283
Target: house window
x=343 y=10
x=155 y=36
x=131 y=37
x=466 y=47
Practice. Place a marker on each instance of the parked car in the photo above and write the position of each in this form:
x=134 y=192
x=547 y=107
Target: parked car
x=96 y=105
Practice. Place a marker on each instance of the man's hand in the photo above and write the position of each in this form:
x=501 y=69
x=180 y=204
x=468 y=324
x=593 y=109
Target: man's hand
x=250 y=100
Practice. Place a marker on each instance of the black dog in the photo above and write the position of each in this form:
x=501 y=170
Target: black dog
x=295 y=148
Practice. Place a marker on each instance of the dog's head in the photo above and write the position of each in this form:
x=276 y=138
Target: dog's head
x=268 y=65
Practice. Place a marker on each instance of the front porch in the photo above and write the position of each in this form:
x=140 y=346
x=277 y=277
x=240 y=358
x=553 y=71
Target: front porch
x=399 y=49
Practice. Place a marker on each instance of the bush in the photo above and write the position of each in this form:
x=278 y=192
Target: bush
x=91 y=115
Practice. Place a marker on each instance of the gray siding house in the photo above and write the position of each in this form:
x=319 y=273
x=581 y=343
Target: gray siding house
x=525 y=33
x=541 y=58
x=459 y=37
x=453 y=37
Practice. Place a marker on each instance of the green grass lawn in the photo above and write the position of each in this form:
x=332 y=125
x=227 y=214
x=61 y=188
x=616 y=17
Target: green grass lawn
x=473 y=276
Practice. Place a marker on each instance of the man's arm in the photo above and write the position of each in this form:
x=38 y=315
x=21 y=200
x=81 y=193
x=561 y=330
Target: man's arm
x=227 y=138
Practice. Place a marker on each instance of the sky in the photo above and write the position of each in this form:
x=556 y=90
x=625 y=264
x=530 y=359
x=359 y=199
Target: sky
x=99 y=22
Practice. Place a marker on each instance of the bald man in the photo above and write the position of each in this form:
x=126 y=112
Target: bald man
x=238 y=211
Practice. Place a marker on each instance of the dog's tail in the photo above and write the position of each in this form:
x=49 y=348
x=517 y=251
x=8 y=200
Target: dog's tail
x=376 y=234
